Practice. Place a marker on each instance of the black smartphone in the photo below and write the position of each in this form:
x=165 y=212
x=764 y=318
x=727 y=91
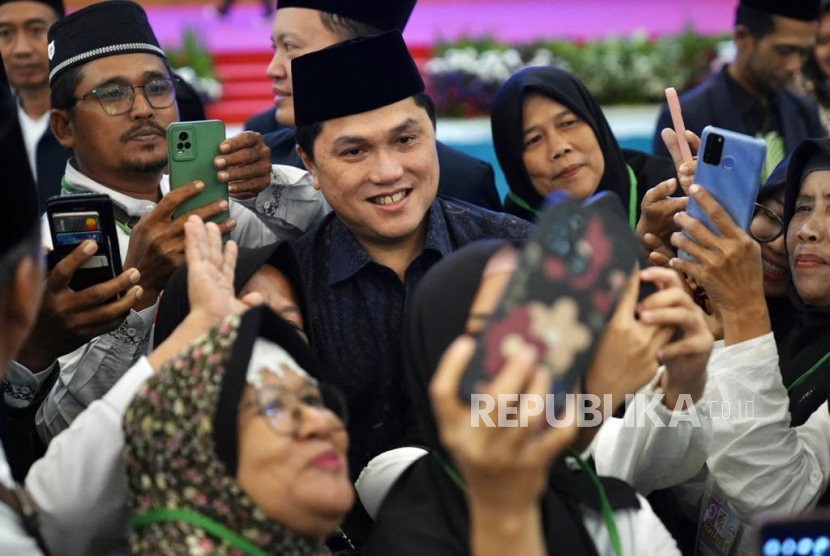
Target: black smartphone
x=74 y=219
x=561 y=296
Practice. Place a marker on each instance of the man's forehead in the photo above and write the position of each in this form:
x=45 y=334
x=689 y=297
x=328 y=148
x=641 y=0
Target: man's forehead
x=21 y=11
x=131 y=67
x=297 y=22
x=376 y=122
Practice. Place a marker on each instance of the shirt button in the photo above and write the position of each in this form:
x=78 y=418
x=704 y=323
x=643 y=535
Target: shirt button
x=815 y=476
x=148 y=209
x=131 y=332
x=267 y=205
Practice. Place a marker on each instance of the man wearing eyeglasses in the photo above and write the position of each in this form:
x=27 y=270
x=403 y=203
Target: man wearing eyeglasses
x=113 y=98
x=23 y=26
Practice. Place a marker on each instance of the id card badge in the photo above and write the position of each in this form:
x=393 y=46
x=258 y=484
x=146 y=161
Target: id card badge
x=718 y=527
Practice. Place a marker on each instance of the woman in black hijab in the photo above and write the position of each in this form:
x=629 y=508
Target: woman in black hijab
x=426 y=511
x=805 y=352
x=271 y=270
x=730 y=271
x=550 y=134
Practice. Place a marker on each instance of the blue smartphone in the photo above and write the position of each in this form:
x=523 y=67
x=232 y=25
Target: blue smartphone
x=729 y=168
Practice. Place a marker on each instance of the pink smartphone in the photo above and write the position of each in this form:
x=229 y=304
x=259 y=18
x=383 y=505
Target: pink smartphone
x=679 y=126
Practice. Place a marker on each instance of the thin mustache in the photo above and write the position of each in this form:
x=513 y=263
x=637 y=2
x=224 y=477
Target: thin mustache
x=133 y=132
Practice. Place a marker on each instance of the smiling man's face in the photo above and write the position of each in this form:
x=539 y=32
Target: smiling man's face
x=378 y=170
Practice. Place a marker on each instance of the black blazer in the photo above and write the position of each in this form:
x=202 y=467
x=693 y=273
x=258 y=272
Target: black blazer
x=462 y=176
x=51 y=159
x=711 y=103
x=264 y=122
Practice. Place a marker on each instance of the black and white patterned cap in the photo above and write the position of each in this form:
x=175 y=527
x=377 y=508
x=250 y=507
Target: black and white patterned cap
x=100 y=30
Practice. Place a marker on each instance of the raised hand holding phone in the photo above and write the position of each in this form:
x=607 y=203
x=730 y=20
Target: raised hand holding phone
x=559 y=299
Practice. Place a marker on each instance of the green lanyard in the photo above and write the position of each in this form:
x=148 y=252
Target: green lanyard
x=65 y=185
x=800 y=380
x=632 y=199
x=214 y=528
x=607 y=511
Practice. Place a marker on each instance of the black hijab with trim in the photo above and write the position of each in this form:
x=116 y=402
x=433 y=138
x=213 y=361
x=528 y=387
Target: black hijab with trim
x=809 y=340
x=175 y=305
x=561 y=86
x=425 y=512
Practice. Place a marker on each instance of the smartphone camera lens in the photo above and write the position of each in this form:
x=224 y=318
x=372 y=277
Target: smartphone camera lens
x=183 y=136
x=180 y=146
x=713 y=152
x=187 y=145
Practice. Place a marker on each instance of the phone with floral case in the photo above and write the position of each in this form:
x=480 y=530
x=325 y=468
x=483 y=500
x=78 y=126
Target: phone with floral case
x=564 y=290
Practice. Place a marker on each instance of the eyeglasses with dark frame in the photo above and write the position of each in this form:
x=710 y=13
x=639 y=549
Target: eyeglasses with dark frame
x=281 y=408
x=117 y=98
x=765 y=226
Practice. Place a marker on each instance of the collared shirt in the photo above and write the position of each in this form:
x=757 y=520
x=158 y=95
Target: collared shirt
x=33 y=131
x=761 y=121
x=357 y=309
x=89 y=372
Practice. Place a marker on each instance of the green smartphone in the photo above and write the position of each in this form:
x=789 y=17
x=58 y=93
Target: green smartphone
x=191 y=149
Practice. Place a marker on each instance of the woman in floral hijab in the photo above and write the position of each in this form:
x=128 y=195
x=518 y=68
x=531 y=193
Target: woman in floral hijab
x=233 y=449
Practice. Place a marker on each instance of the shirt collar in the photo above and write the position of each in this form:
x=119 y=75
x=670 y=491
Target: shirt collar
x=76 y=182
x=348 y=257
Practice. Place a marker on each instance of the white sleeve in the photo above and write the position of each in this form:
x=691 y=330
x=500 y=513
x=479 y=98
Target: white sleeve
x=641 y=532
x=649 y=454
x=79 y=486
x=759 y=461
x=290 y=205
x=381 y=473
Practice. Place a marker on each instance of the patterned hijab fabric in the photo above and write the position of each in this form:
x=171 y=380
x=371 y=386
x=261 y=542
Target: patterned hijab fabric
x=172 y=464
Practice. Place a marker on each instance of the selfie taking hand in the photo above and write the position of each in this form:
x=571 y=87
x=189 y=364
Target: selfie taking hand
x=244 y=164
x=157 y=242
x=504 y=468
x=685 y=170
x=69 y=319
x=728 y=268
x=627 y=356
x=687 y=353
x=210 y=273
x=658 y=209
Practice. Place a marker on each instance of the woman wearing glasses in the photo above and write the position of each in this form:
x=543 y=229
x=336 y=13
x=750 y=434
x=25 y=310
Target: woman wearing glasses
x=767 y=228
x=776 y=458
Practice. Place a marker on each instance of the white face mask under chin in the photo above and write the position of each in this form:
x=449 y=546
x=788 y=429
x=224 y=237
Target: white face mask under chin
x=269 y=357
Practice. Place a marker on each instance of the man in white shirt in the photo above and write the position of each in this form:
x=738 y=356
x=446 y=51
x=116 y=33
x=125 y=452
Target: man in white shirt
x=113 y=98
x=23 y=27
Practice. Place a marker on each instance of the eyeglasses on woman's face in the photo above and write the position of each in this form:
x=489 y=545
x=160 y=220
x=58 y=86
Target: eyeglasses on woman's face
x=765 y=226
x=282 y=408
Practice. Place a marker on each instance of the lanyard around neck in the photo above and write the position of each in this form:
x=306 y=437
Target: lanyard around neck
x=205 y=523
x=607 y=511
x=632 y=199
x=800 y=380
x=124 y=227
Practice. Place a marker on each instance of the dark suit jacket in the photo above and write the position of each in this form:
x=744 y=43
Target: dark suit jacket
x=51 y=160
x=711 y=103
x=462 y=176
x=264 y=122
